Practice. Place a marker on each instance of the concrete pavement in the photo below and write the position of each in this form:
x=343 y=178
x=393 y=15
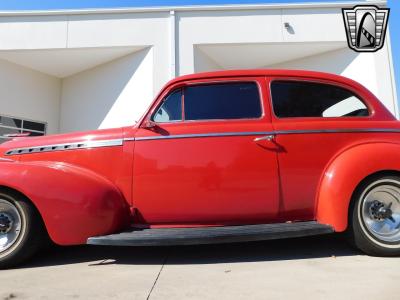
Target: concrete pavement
x=307 y=268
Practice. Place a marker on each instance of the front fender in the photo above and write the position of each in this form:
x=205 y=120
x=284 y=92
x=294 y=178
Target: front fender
x=75 y=203
x=344 y=174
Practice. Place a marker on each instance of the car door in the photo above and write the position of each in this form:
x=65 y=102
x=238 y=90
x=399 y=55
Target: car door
x=314 y=120
x=198 y=162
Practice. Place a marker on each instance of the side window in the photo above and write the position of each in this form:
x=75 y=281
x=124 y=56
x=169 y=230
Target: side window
x=293 y=99
x=170 y=109
x=238 y=100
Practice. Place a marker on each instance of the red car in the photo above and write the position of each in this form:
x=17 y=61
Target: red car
x=218 y=157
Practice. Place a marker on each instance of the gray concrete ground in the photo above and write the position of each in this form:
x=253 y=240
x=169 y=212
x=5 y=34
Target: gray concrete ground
x=307 y=268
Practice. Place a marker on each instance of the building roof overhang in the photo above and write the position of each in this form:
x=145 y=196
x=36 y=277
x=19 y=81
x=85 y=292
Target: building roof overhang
x=123 y=10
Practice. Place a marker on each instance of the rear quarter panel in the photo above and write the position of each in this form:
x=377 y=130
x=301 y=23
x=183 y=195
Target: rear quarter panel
x=346 y=171
x=324 y=159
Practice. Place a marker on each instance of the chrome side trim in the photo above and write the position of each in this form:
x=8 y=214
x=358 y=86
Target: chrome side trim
x=2 y=159
x=200 y=135
x=129 y=139
x=256 y=133
x=340 y=130
x=119 y=142
x=63 y=147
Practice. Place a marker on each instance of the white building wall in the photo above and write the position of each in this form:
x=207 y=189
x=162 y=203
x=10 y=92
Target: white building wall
x=313 y=25
x=385 y=77
x=29 y=94
x=33 y=32
x=134 y=29
x=224 y=27
x=203 y=63
x=112 y=95
x=253 y=27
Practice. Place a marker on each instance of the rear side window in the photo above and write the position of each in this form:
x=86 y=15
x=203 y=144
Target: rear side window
x=293 y=99
x=239 y=100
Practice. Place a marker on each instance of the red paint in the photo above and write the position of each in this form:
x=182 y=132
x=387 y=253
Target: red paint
x=205 y=181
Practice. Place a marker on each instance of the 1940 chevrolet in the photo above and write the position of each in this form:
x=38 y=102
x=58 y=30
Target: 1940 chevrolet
x=218 y=157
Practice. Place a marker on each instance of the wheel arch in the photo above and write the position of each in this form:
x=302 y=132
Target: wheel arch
x=18 y=194
x=370 y=177
x=346 y=173
x=73 y=203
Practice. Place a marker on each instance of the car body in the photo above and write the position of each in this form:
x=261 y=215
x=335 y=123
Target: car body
x=262 y=164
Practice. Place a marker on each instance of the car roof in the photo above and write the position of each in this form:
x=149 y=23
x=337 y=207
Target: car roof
x=380 y=111
x=265 y=72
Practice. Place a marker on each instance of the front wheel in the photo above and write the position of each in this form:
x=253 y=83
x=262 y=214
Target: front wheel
x=374 y=225
x=21 y=230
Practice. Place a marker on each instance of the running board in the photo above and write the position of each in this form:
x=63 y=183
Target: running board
x=210 y=235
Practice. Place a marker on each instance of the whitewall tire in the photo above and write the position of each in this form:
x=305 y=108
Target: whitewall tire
x=21 y=230
x=374 y=219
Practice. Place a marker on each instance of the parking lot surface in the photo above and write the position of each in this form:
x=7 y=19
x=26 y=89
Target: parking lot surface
x=324 y=267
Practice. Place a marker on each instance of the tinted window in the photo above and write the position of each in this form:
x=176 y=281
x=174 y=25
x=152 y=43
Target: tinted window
x=307 y=99
x=34 y=126
x=222 y=101
x=11 y=122
x=171 y=108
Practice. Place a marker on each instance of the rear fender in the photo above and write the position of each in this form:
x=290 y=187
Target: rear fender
x=345 y=173
x=75 y=203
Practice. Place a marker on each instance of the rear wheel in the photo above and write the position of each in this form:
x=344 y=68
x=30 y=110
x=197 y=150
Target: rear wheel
x=375 y=216
x=21 y=230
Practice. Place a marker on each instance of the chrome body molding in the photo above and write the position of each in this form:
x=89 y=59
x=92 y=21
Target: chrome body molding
x=119 y=142
x=266 y=133
x=2 y=159
x=129 y=139
x=200 y=135
x=340 y=130
x=63 y=147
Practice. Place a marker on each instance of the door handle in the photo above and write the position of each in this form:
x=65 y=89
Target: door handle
x=268 y=138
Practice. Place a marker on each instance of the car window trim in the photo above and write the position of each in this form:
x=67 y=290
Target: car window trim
x=260 y=95
x=302 y=80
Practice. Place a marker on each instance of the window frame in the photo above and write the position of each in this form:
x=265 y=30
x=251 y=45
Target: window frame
x=209 y=82
x=371 y=111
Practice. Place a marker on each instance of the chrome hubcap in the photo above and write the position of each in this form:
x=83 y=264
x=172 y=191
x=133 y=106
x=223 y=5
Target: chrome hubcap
x=10 y=225
x=5 y=223
x=381 y=211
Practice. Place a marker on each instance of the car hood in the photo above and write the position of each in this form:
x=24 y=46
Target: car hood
x=57 y=139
